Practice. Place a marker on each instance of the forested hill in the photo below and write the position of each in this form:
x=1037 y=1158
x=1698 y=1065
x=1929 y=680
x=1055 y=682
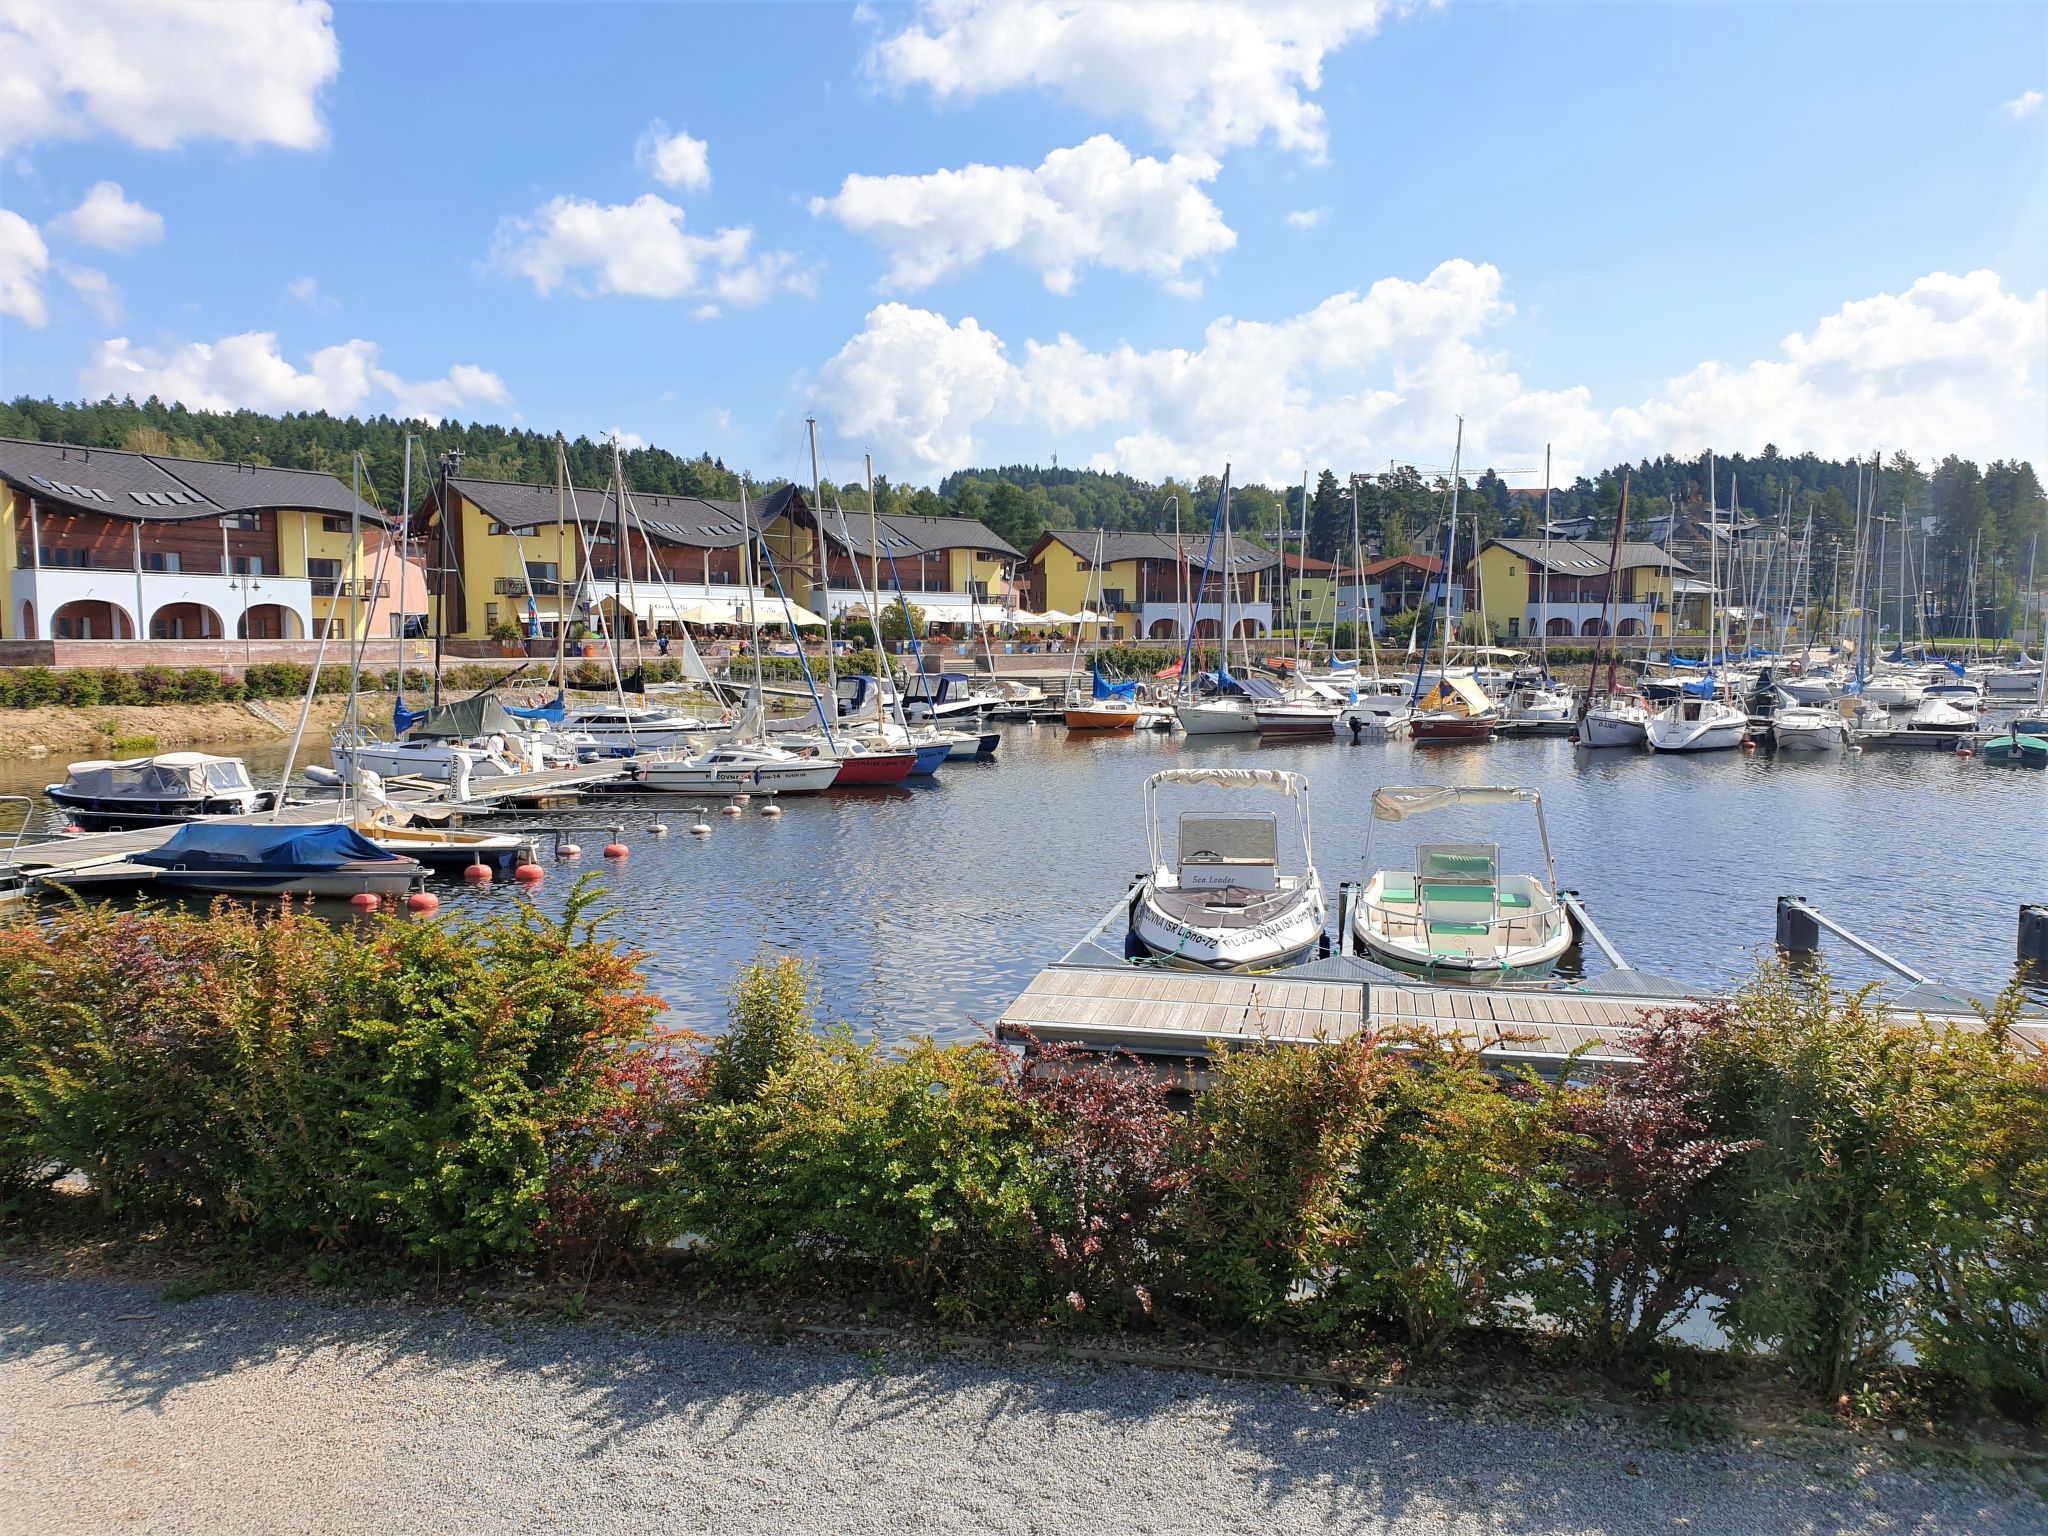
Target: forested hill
x=1997 y=510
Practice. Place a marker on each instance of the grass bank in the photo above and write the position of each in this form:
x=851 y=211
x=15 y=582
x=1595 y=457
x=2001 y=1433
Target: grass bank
x=452 y=1103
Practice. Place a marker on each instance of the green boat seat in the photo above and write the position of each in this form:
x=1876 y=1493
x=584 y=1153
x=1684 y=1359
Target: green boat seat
x=1471 y=895
x=1464 y=930
x=1397 y=889
x=1513 y=899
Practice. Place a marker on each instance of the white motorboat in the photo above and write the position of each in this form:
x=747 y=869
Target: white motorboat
x=735 y=767
x=280 y=859
x=1542 y=703
x=104 y=795
x=1223 y=714
x=1615 y=720
x=2019 y=679
x=952 y=696
x=1939 y=717
x=1810 y=687
x=1690 y=724
x=1807 y=728
x=1455 y=916
x=620 y=728
x=1893 y=690
x=434 y=759
x=1297 y=715
x=1224 y=904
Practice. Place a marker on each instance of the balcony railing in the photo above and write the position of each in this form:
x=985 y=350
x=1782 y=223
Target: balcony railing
x=521 y=586
x=337 y=587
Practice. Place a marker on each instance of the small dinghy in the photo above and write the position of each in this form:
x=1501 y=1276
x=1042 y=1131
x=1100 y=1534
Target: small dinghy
x=1224 y=904
x=1455 y=916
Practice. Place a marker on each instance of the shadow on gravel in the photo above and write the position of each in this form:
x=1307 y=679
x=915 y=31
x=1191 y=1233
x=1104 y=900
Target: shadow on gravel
x=1173 y=1437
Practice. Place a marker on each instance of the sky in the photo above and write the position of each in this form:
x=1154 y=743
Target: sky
x=1155 y=238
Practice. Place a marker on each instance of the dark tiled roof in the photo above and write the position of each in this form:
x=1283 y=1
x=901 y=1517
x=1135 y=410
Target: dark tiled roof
x=1244 y=556
x=903 y=535
x=154 y=487
x=1570 y=557
x=695 y=521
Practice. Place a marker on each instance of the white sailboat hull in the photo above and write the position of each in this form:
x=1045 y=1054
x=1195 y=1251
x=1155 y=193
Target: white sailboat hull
x=1612 y=728
x=1801 y=731
x=1218 y=717
x=1714 y=729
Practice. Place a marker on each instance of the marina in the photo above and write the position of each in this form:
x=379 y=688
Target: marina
x=931 y=906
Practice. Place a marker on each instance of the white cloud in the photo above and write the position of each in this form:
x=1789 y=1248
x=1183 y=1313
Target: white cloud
x=917 y=386
x=1307 y=218
x=640 y=249
x=95 y=292
x=164 y=72
x=1202 y=74
x=110 y=221
x=1953 y=365
x=307 y=291
x=1094 y=204
x=674 y=159
x=627 y=440
x=248 y=371
x=2026 y=104
x=23 y=261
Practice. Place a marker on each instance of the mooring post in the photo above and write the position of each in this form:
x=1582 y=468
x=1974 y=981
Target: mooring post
x=1798 y=932
x=2034 y=939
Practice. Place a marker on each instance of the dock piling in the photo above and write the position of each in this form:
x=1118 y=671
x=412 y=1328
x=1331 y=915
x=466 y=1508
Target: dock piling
x=1798 y=929
x=2033 y=947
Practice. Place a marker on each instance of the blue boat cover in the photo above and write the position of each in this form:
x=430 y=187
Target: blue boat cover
x=1105 y=689
x=1703 y=689
x=1956 y=667
x=1898 y=652
x=1680 y=661
x=403 y=719
x=241 y=845
x=553 y=712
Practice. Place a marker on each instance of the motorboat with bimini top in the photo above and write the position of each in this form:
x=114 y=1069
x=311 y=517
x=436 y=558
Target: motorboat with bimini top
x=1224 y=903
x=1455 y=916
x=108 y=796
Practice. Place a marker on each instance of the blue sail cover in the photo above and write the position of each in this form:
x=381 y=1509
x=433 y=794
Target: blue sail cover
x=1105 y=689
x=403 y=719
x=1703 y=689
x=240 y=845
x=1898 y=652
x=553 y=712
x=1680 y=661
x=1957 y=667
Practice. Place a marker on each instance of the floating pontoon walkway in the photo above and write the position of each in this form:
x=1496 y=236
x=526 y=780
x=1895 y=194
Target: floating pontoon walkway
x=1094 y=997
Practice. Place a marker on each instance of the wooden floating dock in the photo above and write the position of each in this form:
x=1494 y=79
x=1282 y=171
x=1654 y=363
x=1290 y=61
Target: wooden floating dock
x=1096 y=998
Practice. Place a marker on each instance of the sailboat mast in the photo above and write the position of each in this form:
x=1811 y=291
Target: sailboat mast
x=871 y=592
x=1543 y=600
x=404 y=554
x=561 y=562
x=824 y=569
x=753 y=622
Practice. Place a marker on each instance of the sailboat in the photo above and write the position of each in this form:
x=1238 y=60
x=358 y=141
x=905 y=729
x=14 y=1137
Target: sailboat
x=1456 y=709
x=1616 y=718
x=1698 y=719
x=1110 y=704
x=1456 y=916
x=1224 y=903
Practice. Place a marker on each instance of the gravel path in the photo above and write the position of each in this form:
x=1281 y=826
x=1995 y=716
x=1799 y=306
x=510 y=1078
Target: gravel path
x=119 y=1410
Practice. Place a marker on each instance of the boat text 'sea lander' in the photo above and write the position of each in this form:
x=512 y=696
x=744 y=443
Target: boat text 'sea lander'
x=1455 y=916
x=1224 y=904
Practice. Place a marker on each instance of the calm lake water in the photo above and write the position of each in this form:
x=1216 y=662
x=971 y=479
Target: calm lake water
x=927 y=908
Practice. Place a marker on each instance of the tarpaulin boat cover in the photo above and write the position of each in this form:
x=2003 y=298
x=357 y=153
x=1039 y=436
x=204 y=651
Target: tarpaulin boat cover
x=1397 y=802
x=1105 y=689
x=1705 y=688
x=550 y=712
x=169 y=776
x=478 y=715
x=240 y=845
x=403 y=719
x=1250 y=687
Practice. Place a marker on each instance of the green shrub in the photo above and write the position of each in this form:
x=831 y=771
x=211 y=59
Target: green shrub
x=1863 y=1154
x=34 y=686
x=1449 y=1203
x=118 y=687
x=409 y=1085
x=201 y=685
x=80 y=687
x=1271 y=1139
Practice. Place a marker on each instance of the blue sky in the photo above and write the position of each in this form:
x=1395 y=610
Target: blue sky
x=1281 y=237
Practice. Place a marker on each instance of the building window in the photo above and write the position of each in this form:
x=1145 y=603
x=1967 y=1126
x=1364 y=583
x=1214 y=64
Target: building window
x=245 y=565
x=334 y=524
x=1514 y=629
x=490 y=615
x=160 y=560
x=250 y=522
x=980 y=589
x=325 y=576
